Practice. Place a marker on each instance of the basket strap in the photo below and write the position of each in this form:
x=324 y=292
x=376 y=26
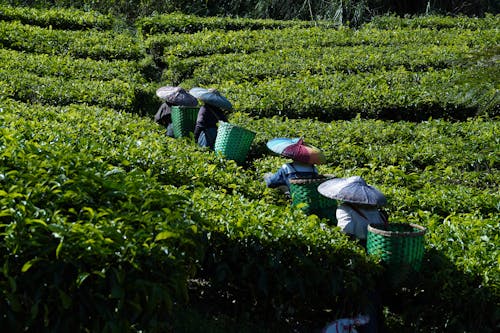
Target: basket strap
x=356 y=209
x=294 y=171
x=383 y=213
x=303 y=174
x=209 y=107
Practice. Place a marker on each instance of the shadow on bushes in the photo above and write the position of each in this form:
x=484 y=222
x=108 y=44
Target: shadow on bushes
x=295 y=289
x=441 y=298
x=294 y=286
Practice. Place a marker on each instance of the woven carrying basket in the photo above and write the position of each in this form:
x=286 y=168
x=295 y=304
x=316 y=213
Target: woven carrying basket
x=399 y=245
x=305 y=190
x=184 y=120
x=233 y=142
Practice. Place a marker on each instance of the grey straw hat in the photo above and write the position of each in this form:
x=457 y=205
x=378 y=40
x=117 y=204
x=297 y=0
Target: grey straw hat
x=353 y=189
x=176 y=96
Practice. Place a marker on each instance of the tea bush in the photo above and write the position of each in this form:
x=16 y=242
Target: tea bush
x=109 y=225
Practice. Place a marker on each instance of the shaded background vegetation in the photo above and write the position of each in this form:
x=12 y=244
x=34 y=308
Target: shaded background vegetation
x=352 y=12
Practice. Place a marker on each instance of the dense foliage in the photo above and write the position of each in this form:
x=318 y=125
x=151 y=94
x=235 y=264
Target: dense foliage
x=326 y=73
x=109 y=208
x=109 y=225
x=340 y=11
x=66 y=19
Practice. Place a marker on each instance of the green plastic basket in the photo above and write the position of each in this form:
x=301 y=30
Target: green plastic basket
x=399 y=245
x=184 y=120
x=305 y=191
x=233 y=142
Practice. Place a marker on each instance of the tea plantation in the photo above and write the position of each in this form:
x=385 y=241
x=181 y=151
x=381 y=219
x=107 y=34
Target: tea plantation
x=108 y=225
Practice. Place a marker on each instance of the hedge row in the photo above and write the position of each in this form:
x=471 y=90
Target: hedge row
x=214 y=42
x=56 y=90
x=438 y=22
x=62 y=80
x=303 y=62
x=60 y=18
x=65 y=66
x=183 y=23
x=98 y=45
x=396 y=94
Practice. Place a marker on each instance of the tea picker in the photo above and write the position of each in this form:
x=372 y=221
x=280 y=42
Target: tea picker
x=211 y=112
x=172 y=96
x=359 y=205
x=304 y=157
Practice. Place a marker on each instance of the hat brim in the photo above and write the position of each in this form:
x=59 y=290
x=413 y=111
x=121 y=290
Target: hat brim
x=176 y=96
x=353 y=190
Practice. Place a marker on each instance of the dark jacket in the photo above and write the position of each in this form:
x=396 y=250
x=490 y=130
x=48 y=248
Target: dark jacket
x=208 y=117
x=164 y=114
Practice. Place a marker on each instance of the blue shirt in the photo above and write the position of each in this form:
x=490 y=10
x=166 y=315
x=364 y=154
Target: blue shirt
x=289 y=171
